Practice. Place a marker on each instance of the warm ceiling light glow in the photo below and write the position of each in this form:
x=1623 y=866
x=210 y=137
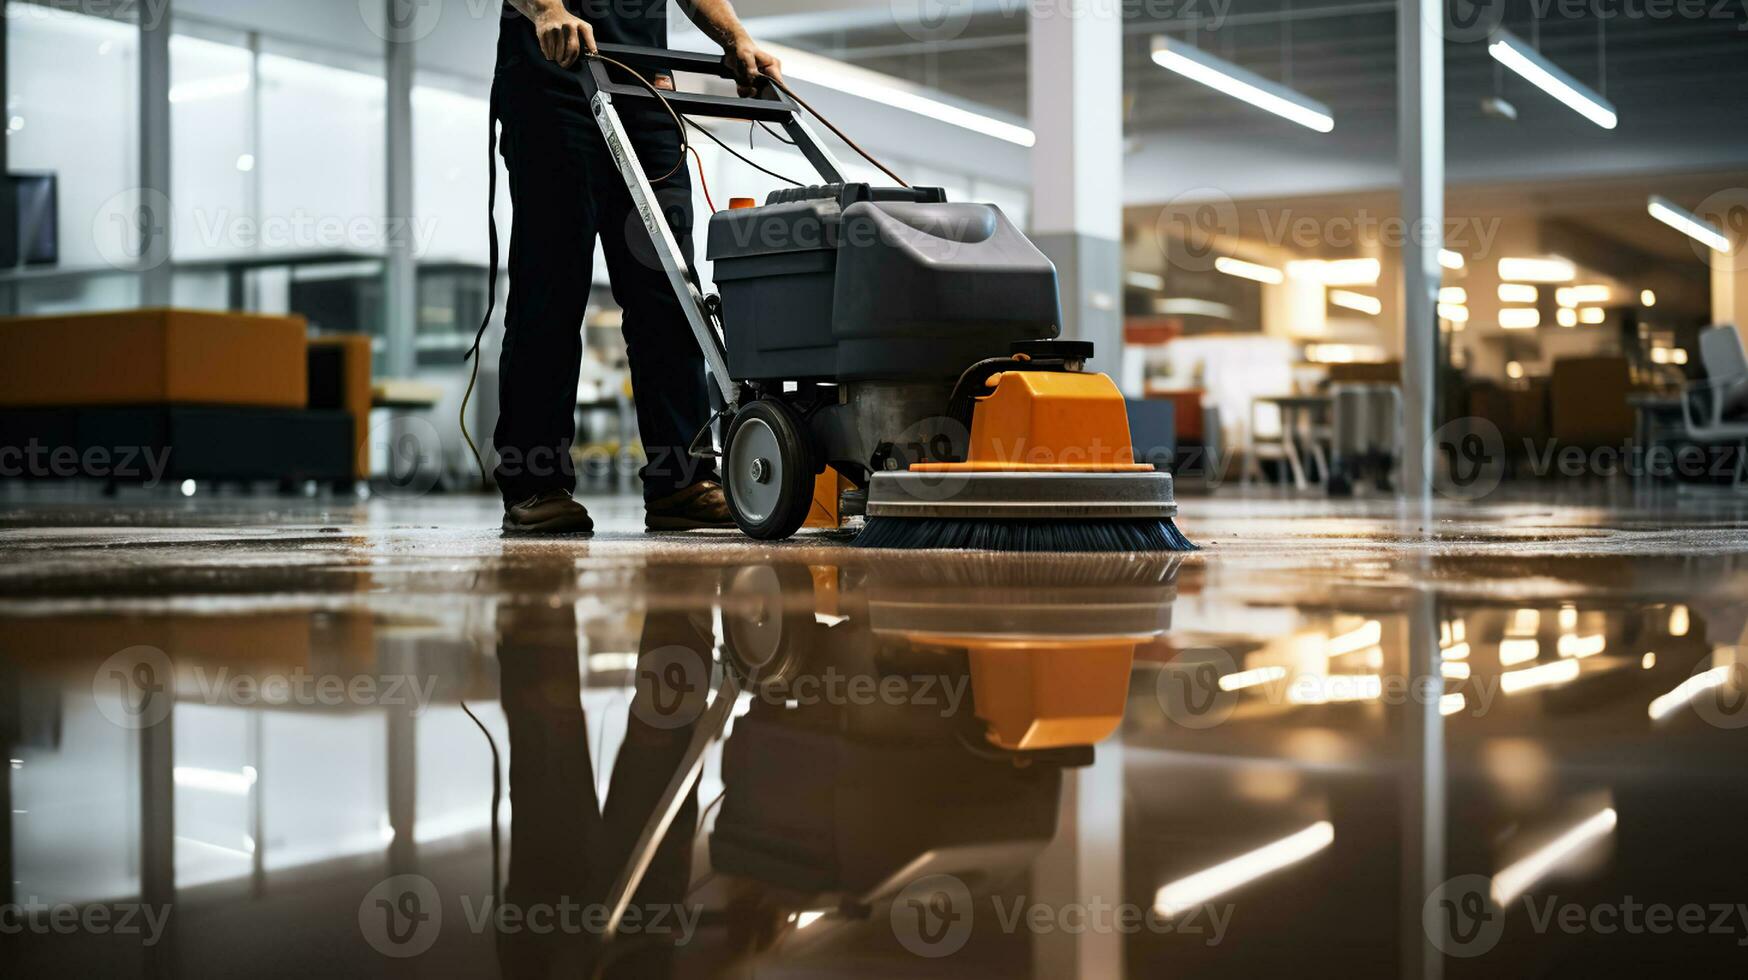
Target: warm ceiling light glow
x=1241 y=83
x=1340 y=272
x=1252 y=678
x=1551 y=269
x=1249 y=270
x=1592 y=315
x=1542 y=675
x=898 y=93
x=1450 y=704
x=1144 y=280
x=1517 y=650
x=1565 y=316
x=1688 y=223
x=1678 y=621
x=1449 y=259
x=1510 y=50
x=1519 y=318
x=1520 y=876
x=1453 y=312
x=1203 y=886
x=1512 y=292
x=1366 y=635
x=1453 y=294
x=1360 y=302
x=1513 y=370
x=1647 y=298
x=1664 y=705
x=1580 y=295
x=1579 y=647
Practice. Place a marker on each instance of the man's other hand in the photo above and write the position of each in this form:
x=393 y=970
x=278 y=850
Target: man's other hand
x=749 y=62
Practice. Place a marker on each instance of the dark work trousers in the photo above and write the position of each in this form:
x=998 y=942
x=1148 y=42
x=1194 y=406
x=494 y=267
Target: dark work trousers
x=565 y=188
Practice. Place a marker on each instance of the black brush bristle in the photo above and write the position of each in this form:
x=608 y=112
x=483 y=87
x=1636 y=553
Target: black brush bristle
x=1029 y=535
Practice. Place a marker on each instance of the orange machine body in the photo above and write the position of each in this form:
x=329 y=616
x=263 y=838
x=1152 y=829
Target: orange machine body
x=1047 y=421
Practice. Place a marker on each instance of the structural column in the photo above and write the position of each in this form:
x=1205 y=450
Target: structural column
x=1076 y=53
x=1420 y=101
x=155 y=213
x=400 y=286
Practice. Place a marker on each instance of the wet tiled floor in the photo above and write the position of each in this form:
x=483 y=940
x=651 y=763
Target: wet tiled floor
x=274 y=738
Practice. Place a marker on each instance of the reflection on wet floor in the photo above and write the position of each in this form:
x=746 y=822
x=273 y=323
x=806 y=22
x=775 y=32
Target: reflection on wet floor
x=355 y=743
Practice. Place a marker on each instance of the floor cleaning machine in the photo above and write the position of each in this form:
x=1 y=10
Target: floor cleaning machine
x=906 y=342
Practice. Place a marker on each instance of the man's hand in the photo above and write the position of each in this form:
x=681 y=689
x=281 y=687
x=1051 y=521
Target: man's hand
x=563 y=36
x=750 y=63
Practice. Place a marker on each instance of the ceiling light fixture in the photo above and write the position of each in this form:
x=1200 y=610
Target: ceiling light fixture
x=876 y=87
x=1449 y=259
x=1519 y=318
x=1511 y=51
x=1358 y=302
x=1550 y=269
x=1340 y=272
x=1241 y=83
x=1249 y=270
x=1511 y=292
x=1688 y=223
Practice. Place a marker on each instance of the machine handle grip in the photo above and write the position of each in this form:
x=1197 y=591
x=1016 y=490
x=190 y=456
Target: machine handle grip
x=770 y=106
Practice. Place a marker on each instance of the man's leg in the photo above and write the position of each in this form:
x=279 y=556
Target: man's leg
x=552 y=243
x=667 y=368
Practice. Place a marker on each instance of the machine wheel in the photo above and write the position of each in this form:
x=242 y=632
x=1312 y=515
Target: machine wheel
x=768 y=470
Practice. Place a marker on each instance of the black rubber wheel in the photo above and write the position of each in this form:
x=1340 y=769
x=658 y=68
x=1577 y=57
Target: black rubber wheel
x=767 y=470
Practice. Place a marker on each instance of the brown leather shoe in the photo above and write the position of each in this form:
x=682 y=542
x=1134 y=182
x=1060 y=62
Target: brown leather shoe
x=552 y=512
x=701 y=505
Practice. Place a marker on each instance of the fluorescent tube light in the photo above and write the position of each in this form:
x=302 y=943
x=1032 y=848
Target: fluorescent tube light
x=1341 y=272
x=1688 y=223
x=1249 y=270
x=1519 y=318
x=1144 y=280
x=1520 y=876
x=1511 y=292
x=1579 y=295
x=1203 y=886
x=1449 y=259
x=1510 y=50
x=1453 y=294
x=875 y=87
x=1592 y=315
x=1240 y=83
x=1566 y=316
x=1454 y=312
x=1551 y=269
x=1359 y=302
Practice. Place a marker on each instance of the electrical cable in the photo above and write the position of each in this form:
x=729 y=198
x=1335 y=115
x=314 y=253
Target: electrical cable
x=737 y=155
x=779 y=137
x=827 y=123
x=497 y=801
x=703 y=184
